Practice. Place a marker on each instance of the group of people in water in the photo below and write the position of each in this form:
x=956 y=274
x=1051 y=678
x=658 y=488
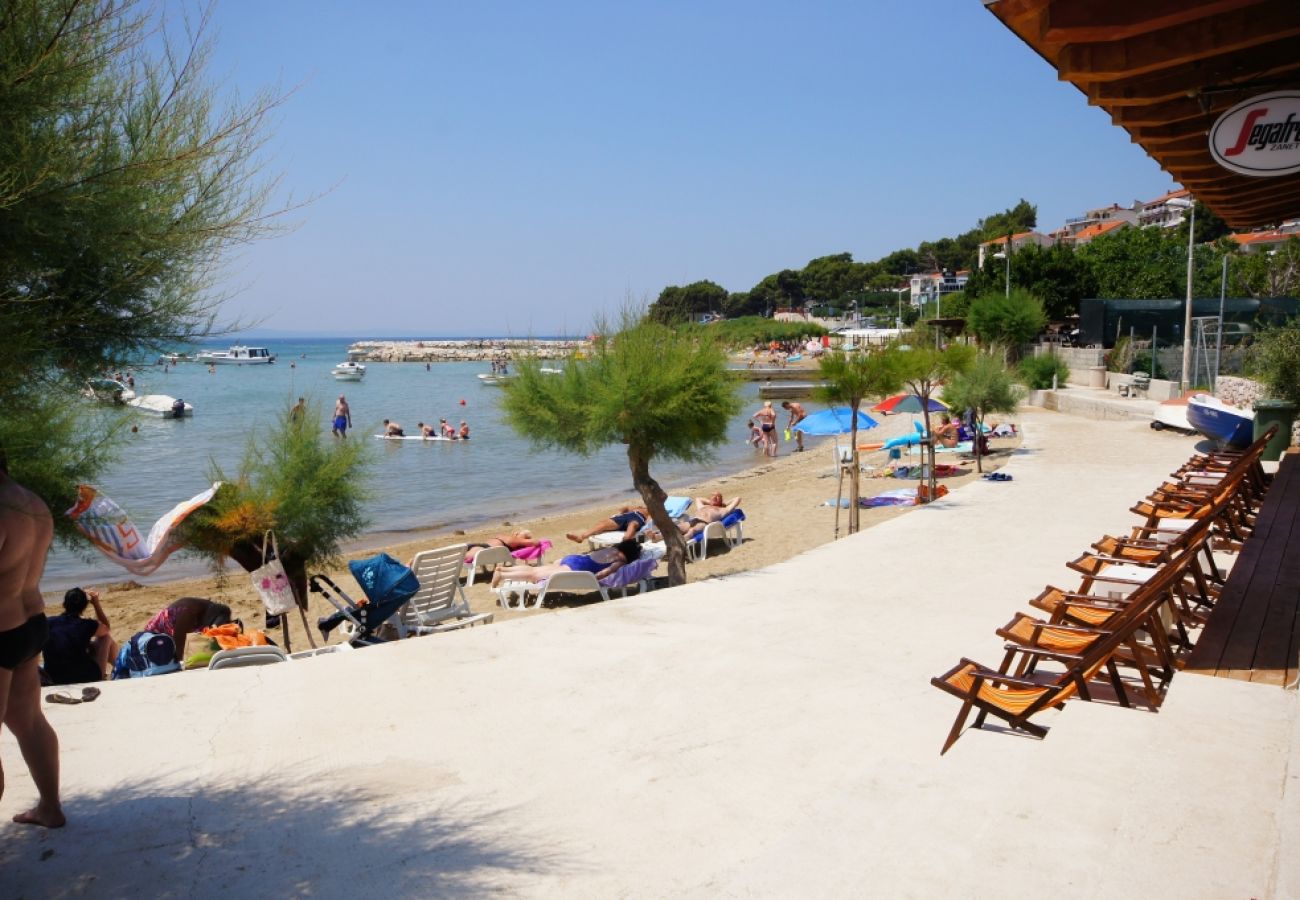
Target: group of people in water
x=443 y=429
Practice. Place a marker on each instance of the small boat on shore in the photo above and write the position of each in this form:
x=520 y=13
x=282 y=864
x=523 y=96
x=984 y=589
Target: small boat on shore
x=1224 y=424
x=162 y=406
x=1172 y=414
x=238 y=355
x=348 y=371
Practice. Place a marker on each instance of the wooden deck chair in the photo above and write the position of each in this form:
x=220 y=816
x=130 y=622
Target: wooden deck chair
x=1016 y=699
x=482 y=558
x=439 y=604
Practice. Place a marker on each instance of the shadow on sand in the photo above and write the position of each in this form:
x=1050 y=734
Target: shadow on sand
x=279 y=838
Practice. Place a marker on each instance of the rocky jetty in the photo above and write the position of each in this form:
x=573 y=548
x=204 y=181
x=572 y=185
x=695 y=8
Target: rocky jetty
x=461 y=351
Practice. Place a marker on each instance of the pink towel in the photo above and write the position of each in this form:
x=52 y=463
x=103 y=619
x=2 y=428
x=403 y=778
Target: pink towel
x=529 y=554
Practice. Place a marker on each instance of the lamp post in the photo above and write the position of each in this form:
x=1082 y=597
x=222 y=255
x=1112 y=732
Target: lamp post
x=1188 y=204
x=1004 y=254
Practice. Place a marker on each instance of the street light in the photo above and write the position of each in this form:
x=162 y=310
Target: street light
x=1003 y=254
x=1186 y=203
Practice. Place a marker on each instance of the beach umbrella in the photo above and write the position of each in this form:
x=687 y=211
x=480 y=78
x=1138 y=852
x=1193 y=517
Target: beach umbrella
x=836 y=420
x=909 y=403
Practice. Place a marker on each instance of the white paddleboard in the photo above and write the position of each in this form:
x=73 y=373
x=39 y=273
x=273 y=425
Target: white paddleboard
x=413 y=437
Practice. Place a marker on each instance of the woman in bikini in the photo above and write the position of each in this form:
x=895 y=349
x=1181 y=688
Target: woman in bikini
x=601 y=563
x=766 y=418
x=515 y=540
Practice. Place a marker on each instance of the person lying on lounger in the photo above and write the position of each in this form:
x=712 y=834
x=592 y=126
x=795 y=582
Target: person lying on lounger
x=710 y=509
x=515 y=540
x=628 y=520
x=601 y=563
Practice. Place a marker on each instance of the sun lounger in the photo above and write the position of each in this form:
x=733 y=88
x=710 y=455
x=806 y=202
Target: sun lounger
x=676 y=508
x=439 y=604
x=729 y=528
x=244 y=657
x=483 y=558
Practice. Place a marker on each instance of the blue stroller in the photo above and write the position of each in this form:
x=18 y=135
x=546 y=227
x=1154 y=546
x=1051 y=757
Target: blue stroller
x=387 y=584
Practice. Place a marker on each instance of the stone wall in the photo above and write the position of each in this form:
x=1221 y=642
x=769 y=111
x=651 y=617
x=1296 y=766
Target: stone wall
x=460 y=351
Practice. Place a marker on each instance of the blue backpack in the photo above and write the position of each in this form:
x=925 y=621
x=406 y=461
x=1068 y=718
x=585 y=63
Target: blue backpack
x=146 y=653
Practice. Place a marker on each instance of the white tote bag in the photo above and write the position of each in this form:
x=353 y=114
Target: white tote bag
x=270 y=581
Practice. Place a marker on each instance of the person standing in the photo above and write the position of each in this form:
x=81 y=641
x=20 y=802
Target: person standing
x=299 y=410
x=342 y=417
x=766 y=419
x=26 y=532
x=797 y=415
x=79 y=650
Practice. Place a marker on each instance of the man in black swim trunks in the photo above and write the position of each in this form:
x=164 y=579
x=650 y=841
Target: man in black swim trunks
x=26 y=531
x=628 y=520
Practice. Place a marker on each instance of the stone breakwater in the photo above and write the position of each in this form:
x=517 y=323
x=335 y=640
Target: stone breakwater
x=1243 y=392
x=461 y=351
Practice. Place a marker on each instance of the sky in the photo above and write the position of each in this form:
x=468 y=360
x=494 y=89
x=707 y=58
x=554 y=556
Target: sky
x=518 y=168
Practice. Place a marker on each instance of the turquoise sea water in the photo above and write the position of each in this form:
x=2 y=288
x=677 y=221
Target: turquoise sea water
x=416 y=486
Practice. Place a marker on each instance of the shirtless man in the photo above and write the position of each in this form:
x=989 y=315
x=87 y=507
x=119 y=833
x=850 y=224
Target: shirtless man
x=709 y=509
x=26 y=531
x=392 y=429
x=797 y=415
x=628 y=520
x=426 y=430
x=342 y=417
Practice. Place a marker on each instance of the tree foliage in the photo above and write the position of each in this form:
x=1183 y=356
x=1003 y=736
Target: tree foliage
x=123 y=179
x=1275 y=360
x=1006 y=320
x=849 y=379
x=984 y=387
x=659 y=392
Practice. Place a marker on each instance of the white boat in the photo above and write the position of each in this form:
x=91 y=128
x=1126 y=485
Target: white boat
x=238 y=355
x=349 y=371
x=161 y=405
x=493 y=379
x=108 y=390
x=1226 y=425
x=1172 y=414
x=171 y=359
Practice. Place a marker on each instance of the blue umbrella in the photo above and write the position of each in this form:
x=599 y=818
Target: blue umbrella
x=837 y=420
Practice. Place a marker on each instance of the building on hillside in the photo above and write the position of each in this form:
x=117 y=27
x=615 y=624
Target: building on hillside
x=1018 y=242
x=927 y=286
x=1113 y=213
x=1267 y=241
x=1158 y=213
x=1096 y=230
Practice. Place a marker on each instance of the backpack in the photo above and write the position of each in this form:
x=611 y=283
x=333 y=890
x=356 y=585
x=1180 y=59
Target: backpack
x=146 y=653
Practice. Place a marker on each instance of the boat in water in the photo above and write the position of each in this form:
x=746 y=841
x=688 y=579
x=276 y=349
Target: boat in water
x=162 y=406
x=493 y=379
x=348 y=371
x=109 y=390
x=238 y=355
x=1226 y=425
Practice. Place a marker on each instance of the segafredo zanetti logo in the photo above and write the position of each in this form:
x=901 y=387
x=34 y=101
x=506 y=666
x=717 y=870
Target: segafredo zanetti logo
x=1260 y=137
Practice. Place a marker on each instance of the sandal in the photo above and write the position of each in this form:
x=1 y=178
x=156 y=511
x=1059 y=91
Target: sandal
x=88 y=694
x=62 y=697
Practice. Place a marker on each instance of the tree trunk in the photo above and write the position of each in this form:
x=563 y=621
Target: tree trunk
x=979 y=433
x=854 y=475
x=927 y=448
x=653 y=496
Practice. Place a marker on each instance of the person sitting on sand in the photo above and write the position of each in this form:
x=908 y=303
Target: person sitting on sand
x=628 y=520
x=186 y=616
x=515 y=540
x=79 y=650
x=392 y=429
x=601 y=563
x=946 y=434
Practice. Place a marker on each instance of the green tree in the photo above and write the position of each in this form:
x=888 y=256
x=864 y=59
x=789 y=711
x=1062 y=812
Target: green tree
x=985 y=387
x=922 y=370
x=850 y=379
x=660 y=393
x=1275 y=274
x=1055 y=275
x=123 y=179
x=685 y=304
x=305 y=485
x=1275 y=360
x=1007 y=321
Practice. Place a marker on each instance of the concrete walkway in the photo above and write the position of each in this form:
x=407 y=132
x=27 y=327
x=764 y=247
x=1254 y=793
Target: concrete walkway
x=767 y=734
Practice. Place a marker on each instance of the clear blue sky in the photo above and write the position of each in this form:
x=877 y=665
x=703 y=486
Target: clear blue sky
x=497 y=167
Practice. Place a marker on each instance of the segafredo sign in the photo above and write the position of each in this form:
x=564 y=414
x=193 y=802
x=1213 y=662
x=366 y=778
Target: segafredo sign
x=1260 y=137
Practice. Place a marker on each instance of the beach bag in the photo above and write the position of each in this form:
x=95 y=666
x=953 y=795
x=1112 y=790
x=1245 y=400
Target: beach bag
x=147 y=653
x=270 y=580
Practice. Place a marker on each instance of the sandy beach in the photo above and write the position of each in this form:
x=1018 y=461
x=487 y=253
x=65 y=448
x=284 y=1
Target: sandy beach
x=781 y=498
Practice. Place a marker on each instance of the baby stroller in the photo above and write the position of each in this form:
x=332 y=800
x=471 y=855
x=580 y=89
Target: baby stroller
x=387 y=584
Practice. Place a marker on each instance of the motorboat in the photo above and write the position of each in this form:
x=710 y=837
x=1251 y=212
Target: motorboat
x=162 y=406
x=1226 y=425
x=171 y=359
x=109 y=390
x=349 y=371
x=493 y=379
x=238 y=355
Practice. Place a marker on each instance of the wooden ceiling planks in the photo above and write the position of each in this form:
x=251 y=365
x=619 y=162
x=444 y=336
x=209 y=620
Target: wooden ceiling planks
x=1164 y=70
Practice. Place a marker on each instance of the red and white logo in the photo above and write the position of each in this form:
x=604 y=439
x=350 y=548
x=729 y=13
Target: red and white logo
x=1260 y=137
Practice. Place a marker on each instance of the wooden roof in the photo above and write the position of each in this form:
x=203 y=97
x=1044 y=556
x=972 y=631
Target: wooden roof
x=1165 y=70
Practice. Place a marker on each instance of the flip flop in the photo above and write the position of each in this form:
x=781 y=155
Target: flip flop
x=62 y=697
x=88 y=694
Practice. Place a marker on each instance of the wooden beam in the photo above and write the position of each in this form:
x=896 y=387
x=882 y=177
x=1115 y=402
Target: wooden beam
x=1174 y=111
x=1269 y=21
x=1117 y=20
x=1276 y=61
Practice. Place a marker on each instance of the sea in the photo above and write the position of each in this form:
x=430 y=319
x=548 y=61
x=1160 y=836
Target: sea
x=416 y=486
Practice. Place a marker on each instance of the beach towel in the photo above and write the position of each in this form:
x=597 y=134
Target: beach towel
x=230 y=636
x=631 y=573
x=527 y=554
x=899 y=497
x=110 y=529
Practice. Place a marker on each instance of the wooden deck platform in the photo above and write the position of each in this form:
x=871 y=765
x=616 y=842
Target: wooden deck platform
x=1253 y=633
